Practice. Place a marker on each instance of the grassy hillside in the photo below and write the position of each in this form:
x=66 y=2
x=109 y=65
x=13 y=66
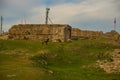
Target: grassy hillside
x=27 y=60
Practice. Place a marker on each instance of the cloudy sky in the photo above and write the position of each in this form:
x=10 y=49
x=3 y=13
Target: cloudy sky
x=84 y=14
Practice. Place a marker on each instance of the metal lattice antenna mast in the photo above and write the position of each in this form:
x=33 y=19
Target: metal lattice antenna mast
x=24 y=19
x=1 y=25
x=47 y=12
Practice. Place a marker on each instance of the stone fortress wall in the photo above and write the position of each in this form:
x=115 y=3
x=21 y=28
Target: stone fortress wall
x=86 y=34
x=40 y=32
x=55 y=32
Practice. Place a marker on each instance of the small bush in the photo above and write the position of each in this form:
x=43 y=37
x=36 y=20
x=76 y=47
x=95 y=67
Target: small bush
x=109 y=59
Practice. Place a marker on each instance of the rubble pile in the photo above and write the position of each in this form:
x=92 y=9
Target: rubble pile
x=112 y=66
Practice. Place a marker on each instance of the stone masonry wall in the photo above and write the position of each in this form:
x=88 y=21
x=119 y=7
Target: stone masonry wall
x=85 y=33
x=56 y=32
x=39 y=32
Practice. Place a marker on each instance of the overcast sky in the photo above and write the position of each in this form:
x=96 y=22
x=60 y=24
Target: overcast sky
x=84 y=14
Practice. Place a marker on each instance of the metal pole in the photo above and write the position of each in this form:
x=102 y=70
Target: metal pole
x=1 y=26
x=47 y=12
x=115 y=27
x=115 y=24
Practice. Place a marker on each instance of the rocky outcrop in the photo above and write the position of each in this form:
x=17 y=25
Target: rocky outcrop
x=113 y=65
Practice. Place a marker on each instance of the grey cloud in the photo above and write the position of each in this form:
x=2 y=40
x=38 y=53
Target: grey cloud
x=117 y=4
x=64 y=11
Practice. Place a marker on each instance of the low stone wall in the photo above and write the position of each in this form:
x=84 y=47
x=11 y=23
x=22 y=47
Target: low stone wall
x=86 y=34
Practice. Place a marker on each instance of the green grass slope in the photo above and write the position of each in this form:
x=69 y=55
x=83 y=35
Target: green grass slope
x=28 y=60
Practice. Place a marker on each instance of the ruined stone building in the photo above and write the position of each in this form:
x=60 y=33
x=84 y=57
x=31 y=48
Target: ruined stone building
x=56 y=32
x=40 y=32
